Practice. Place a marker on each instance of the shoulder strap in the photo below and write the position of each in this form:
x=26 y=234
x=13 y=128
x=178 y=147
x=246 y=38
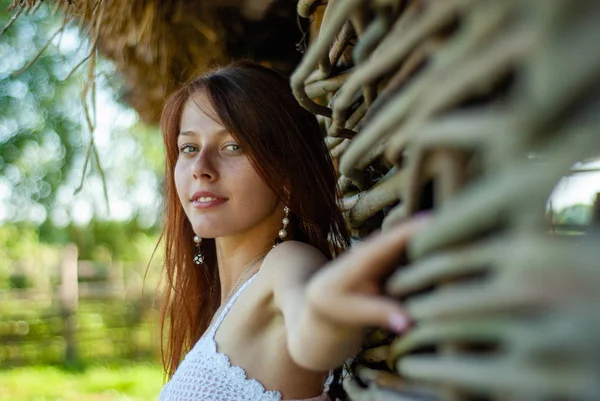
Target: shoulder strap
x=230 y=303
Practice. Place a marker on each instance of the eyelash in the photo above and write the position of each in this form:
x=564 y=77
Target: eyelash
x=183 y=148
x=239 y=148
x=186 y=146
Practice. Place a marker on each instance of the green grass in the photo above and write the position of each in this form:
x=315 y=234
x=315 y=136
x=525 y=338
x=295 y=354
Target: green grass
x=95 y=383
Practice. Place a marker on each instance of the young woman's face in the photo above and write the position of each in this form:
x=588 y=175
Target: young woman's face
x=219 y=189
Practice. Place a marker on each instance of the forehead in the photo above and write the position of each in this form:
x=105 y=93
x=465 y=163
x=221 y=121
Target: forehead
x=199 y=116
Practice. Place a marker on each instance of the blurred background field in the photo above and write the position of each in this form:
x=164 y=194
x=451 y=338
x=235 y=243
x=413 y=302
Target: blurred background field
x=96 y=383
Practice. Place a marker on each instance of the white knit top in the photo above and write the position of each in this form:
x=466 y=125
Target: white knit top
x=206 y=374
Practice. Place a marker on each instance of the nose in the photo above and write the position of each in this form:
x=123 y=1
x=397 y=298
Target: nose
x=204 y=167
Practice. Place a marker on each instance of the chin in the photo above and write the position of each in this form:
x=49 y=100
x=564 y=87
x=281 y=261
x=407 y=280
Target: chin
x=207 y=227
x=204 y=230
x=206 y=234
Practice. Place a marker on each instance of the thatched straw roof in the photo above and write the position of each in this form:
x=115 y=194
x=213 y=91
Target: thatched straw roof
x=156 y=44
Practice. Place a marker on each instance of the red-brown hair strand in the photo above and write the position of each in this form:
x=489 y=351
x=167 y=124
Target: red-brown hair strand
x=286 y=147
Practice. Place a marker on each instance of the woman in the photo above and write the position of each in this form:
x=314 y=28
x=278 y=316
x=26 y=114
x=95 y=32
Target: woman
x=251 y=217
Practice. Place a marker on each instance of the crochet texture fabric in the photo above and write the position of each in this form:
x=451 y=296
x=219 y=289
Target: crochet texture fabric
x=206 y=374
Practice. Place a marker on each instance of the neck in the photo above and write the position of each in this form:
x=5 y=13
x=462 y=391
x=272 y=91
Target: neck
x=235 y=252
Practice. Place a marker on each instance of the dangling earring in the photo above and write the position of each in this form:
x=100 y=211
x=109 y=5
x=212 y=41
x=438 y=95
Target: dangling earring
x=283 y=233
x=198 y=257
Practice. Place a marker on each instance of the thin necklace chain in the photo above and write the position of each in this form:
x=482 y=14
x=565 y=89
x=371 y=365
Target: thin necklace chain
x=250 y=265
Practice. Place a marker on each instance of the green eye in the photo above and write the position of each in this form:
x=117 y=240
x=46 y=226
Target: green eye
x=187 y=148
x=234 y=147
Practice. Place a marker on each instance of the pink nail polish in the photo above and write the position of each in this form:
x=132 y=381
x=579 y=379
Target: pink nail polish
x=423 y=214
x=398 y=323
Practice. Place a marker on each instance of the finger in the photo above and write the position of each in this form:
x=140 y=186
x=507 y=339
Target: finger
x=371 y=259
x=363 y=311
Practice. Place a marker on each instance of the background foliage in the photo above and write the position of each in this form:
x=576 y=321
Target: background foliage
x=43 y=145
x=44 y=141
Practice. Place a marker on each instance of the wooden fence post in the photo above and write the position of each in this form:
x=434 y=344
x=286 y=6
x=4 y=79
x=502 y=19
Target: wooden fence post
x=596 y=211
x=116 y=280
x=69 y=291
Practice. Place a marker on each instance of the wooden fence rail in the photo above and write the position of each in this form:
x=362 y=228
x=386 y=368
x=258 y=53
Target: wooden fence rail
x=82 y=312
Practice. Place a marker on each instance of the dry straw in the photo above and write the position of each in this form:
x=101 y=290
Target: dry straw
x=152 y=43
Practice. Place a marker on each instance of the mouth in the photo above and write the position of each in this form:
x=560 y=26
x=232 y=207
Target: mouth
x=203 y=200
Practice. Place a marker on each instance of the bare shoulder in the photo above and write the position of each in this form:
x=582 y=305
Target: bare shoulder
x=292 y=258
x=296 y=250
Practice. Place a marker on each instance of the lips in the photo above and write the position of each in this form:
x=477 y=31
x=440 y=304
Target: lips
x=205 y=199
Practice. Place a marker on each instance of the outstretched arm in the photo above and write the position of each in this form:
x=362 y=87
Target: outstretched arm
x=326 y=310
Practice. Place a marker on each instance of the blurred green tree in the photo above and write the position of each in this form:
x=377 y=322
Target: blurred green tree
x=44 y=140
x=39 y=127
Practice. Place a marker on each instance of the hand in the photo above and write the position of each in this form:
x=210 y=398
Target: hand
x=347 y=290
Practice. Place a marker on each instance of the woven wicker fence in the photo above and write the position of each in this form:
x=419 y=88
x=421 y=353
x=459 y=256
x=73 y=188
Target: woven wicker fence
x=475 y=109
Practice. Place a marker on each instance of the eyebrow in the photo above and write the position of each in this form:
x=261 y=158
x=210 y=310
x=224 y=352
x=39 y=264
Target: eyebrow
x=191 y=133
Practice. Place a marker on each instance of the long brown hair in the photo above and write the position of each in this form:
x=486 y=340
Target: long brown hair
x=285 y=146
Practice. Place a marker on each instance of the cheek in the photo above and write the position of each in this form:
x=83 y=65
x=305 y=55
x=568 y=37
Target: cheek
x=257 y=194
x=252 y=191
x=180 y=182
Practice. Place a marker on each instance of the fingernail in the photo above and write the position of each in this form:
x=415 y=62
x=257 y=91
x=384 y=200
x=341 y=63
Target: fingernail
x=424 y=214
x=398 y=322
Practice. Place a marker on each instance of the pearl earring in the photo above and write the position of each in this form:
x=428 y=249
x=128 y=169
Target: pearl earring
x=283 y=233
x=198 y=257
